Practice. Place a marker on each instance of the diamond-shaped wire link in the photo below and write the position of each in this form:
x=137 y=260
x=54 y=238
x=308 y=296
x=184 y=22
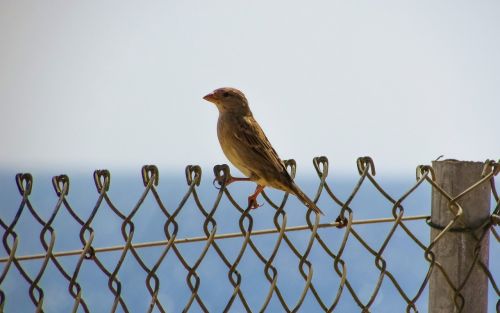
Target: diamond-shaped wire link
x=344 y=228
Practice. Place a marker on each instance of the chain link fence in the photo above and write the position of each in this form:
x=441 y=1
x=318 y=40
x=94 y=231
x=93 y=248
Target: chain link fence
x=244 y=269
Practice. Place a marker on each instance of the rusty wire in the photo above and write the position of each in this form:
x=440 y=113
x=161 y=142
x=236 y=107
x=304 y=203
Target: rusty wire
x=170 y=245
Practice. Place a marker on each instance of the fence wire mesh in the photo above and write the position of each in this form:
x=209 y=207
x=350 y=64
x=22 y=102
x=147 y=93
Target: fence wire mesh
x=329 y=288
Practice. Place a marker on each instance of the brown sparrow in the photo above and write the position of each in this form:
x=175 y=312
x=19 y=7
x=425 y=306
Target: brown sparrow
x=247 y=147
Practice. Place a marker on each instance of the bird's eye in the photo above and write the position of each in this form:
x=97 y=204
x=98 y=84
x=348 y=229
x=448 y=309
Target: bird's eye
x=225 y=95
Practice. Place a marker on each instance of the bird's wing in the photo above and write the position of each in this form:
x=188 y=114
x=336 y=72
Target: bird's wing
x=261 y=158
x=257 y=148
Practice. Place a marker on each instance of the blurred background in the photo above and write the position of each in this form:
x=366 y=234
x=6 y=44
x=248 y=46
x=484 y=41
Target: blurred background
x=119 y=84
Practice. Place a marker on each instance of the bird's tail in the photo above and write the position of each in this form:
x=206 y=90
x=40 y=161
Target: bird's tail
x=305 y=199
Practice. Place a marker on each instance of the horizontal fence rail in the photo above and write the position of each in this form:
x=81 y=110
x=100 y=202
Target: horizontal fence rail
x=199 y=257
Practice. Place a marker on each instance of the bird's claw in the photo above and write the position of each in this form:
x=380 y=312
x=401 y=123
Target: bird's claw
x=253 y=204
x=219 y=183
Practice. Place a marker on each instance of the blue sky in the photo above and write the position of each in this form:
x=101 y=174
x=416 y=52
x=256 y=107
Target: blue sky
x=118 y=84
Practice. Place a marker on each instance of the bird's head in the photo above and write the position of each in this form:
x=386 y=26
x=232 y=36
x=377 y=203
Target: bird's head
x=229 y=100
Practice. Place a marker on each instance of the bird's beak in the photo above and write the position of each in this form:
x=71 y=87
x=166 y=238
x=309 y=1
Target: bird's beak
x=210 y=97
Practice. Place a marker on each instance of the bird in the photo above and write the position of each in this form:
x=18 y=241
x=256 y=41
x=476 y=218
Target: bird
x=246 y=146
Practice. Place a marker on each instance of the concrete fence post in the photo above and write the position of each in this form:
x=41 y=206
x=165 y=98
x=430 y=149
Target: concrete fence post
x=455 y=251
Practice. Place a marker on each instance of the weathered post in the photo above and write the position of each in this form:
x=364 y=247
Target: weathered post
x=455 y=251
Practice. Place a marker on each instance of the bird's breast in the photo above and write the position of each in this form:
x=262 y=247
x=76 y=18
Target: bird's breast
x=227 y=128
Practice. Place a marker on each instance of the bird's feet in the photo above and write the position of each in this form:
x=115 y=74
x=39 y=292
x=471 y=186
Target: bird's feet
x=252 y=200
x=221 y=181
x=253 y=204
